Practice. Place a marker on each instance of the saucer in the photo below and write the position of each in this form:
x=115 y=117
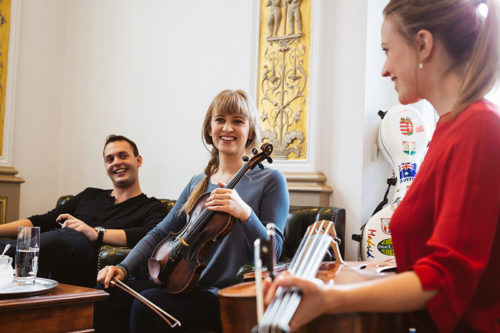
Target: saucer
x=41 y=286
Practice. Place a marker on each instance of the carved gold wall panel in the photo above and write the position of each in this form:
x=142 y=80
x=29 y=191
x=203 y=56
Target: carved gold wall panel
x=283 y=95
x=5 y=6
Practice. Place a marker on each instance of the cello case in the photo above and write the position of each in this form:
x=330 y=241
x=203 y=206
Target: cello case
x=402 y=138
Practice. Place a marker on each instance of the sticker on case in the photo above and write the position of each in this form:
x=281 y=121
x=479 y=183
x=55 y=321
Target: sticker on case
x=384 y=224
x=409 y=147
x=406 y=126
x=407 y=171
x=385 y=247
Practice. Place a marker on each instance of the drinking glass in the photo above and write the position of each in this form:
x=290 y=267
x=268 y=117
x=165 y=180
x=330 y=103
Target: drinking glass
x=28 y=248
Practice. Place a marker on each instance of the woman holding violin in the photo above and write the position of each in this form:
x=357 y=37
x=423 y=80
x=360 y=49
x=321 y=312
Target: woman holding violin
x=231 y=127
x=445 y=232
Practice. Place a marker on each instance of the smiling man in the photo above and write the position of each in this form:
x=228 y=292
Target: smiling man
x=73 y=233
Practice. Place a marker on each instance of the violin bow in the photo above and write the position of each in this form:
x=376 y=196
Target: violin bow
x=159 y=311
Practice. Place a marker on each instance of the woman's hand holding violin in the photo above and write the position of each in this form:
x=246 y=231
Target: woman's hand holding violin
x=228 y=201
x=107 y=273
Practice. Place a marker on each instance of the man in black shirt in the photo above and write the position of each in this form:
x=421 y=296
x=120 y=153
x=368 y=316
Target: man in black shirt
x=71 y=234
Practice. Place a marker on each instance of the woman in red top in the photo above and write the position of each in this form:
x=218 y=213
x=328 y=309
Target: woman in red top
x=445 y=232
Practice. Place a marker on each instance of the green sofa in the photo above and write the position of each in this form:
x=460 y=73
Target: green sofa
x=299 y=218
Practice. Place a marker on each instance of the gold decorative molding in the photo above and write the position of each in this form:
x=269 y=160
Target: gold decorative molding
x=5 y=6
x=284 y=47
x=308 y=188
x=10 y=191
x=8 y=175
x=3 y=210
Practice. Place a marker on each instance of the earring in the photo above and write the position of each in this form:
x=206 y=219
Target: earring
x=420 y=66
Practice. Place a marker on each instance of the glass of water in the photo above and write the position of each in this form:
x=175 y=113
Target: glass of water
x=28 y=248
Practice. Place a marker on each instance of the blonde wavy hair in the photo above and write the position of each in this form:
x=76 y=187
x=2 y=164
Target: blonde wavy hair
x=227 y=102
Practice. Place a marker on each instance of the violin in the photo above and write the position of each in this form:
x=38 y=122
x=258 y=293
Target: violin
x=178 y=260
x=307 y=263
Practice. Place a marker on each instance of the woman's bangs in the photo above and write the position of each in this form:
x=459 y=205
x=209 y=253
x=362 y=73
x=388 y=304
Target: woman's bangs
x=232 y=104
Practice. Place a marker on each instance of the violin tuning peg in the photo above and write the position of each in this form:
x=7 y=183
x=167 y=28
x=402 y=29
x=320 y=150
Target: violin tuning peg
x=269 y=160
x=254 y=151
x=245 y=158
x=261 y=166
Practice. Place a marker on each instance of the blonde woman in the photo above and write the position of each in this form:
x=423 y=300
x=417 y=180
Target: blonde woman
x=231 y=127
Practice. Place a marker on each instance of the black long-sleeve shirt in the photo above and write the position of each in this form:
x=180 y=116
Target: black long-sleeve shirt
x=96 y=207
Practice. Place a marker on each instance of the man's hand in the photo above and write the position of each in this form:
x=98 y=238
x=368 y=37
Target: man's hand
x=111 y=236
x=104 y=276
x=78 y=225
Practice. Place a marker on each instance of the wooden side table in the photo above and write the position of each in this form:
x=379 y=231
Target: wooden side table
x=66 y=308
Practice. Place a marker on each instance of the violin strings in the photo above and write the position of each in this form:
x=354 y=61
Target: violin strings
x=300 y=260
x=207 y=214
x=311 y=244
x=287 y=300
x=299 y=250
x=308 y=271
x=296 y=262
x=317 y=253
x=305 y=239
x=190 y=235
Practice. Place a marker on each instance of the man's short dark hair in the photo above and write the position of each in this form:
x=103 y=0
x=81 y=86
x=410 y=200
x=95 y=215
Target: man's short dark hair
x=113 y=138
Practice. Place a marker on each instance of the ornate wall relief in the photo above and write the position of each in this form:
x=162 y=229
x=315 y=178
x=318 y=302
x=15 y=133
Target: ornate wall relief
x=284 y=48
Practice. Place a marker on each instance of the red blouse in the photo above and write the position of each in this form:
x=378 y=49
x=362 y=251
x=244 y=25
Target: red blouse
x=446 y=228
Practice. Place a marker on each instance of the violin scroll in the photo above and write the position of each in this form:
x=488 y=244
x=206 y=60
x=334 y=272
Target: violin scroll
x=266 y=150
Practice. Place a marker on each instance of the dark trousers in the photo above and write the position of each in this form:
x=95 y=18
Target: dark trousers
x=65 y=256
x=120 y=312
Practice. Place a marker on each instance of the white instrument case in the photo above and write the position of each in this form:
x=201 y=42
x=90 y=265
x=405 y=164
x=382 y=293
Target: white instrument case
x=402 y=138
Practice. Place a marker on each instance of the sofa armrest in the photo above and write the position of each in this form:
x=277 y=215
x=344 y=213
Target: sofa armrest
x=110 y=255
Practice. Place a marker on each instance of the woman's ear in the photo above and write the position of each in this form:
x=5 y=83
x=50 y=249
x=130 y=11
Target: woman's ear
x=251 y=135
x=424 y=45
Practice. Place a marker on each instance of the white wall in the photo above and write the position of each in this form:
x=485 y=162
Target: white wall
x=148 y=69
x=341 y=106
x=37 y=101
